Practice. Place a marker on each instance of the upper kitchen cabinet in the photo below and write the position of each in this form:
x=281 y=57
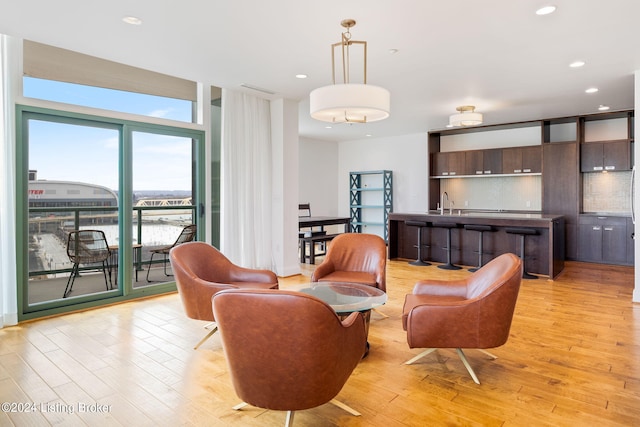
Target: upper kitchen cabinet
x=522 y=160
x=605 y=156
x=607 y=143
x=483 y=162
x=448 y=164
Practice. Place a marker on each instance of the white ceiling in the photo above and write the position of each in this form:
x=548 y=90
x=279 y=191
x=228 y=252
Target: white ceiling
x=495 y=54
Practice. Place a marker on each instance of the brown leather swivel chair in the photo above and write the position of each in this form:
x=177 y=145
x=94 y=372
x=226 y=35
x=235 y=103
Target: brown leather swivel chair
x=286 y=350
x=475 y=312
x=354 y=258
x=202 y=271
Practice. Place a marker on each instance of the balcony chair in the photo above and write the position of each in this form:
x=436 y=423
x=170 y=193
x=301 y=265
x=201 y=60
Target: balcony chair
x=202 y=271
x=187 y=234
x=475 y=312
x=87 y=247
x=287 y=351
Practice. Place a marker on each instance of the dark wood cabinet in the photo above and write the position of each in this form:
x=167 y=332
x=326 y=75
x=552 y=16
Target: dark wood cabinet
x=483 y=162
x=492 y=162
x=605 y=156
x=560 y=189
x=449 y=163
x=590 y=242
x=603 y=239
x=522 y=160
x=439 y=164
x=531 y=159
x=511 y=160
x=474 y=162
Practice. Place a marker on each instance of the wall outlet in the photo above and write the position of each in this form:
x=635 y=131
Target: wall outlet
x=528 y=203
x=466 y=203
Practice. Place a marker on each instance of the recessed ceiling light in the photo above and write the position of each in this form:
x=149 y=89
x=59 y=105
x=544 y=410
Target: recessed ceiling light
x=301 y=76
x=546 y=10
x=576 y=64
x=327 y=127
x=392 y=51
x=368 y=134
x=603 y=107
x=132 y=20
x=592 y=90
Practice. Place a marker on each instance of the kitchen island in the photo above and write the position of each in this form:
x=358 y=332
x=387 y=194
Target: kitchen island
x=544 y=251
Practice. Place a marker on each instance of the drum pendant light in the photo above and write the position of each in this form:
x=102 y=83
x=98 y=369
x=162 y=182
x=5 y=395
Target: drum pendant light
x=348 y=102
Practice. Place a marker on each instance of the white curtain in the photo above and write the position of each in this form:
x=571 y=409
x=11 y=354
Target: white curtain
x=8 y=286
x=246 y=180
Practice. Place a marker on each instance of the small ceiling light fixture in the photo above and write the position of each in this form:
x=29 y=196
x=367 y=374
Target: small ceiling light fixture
x=348 y=102
x=592 y=90
x=466 y=116
x=603 y=107
x=301 y=76
x=546 y=10
x=132 y=20
x=576 y=64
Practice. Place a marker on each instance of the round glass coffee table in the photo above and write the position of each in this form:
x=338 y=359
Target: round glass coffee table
x=346 y=298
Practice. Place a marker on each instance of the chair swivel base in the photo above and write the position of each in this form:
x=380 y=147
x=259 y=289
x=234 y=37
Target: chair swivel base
x=206 y=337
x=289 y=418
x=462 y=356
x=449 y=266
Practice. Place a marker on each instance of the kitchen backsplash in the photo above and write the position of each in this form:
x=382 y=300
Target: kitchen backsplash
x=606 y=192
x=518 y=193
x=602 y=192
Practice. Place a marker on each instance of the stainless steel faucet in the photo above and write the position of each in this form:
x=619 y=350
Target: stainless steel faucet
x=444 y=193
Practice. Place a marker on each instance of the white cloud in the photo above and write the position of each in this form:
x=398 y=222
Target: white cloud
x=161 y=113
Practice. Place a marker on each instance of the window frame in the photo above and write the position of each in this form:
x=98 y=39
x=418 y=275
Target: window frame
x=126 y=127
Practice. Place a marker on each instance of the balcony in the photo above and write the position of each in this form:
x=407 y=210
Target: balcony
x=49 y=264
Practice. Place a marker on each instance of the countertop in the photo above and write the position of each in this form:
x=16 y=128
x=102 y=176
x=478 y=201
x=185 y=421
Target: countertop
x=486 y=214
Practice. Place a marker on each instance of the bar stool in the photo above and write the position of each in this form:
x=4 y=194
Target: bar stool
x=522 y=232
x=448 y=226
x=420 y=225
x=480 y=229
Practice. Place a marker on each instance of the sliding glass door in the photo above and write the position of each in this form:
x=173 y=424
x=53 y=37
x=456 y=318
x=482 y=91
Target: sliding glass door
x=138 y=185
x=163 y=191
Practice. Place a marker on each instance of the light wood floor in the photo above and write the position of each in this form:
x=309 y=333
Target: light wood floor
x=572 y=360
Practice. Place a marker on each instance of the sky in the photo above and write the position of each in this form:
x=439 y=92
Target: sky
x=71 y=152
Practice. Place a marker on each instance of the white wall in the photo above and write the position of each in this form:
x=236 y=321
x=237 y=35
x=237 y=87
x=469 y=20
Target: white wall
x=405 y=155
x=325 y=167
x=318 y=172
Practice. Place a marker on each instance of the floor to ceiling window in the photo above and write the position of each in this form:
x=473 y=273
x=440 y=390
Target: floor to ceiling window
x=104 y=189
x=136 y=184
x=73 y=185
x=164 y=208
